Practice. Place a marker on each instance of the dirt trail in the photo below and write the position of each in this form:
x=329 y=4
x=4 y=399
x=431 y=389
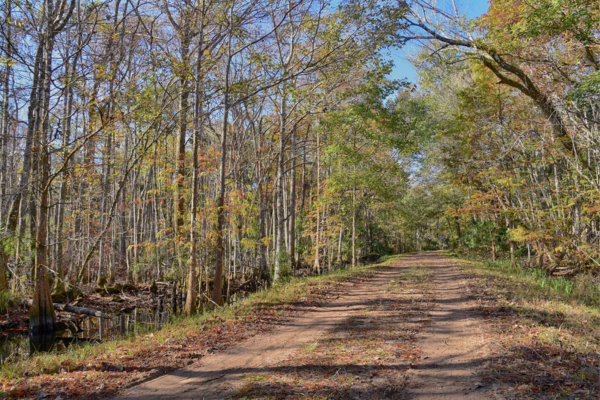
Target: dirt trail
x=452 y=346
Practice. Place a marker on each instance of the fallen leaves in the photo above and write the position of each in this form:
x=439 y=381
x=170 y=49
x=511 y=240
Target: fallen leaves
x=361 y=358
x=153 y=354
x=540 y=346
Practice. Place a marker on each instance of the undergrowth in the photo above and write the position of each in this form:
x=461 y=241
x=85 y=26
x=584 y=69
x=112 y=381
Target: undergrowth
x=546 y=329
x=7 y=300
x=582 y=289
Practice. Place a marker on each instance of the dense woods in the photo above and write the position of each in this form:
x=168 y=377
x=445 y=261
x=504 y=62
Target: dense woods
x=210 y=142
x=225 y=189
x=511 y=101
x=195 y=142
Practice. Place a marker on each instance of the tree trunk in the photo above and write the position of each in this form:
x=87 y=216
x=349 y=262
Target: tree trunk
x=192 y=293
x=16 y=213
x=457 y=225
x=280 y=256
x=292 y=212
x=217 y=292
x=340 y=239
x=59 y=286
x=492 y=240
x=4 y=124
x=353 y=227
x=317 y=265
x=42 y=319
x=182 y=122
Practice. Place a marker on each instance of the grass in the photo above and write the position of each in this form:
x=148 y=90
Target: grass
x=255 y=378
x=546 y=330
x=416 y=275
x=310 y=347
x=212 y=323
x=582 y=289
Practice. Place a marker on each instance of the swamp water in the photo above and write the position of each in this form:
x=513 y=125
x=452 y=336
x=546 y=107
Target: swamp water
x=84 y=330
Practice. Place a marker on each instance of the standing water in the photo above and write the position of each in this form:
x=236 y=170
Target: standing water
x=84 y=330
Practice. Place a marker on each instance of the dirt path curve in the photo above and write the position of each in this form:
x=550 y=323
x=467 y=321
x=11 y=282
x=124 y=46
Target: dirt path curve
x=452 y=347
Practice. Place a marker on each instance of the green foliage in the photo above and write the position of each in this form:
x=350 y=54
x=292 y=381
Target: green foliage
x=285 y=266
x=494 y=161
x=7 y=300
x=582 y=288
x=365 y=141
x=587 y=90
x=9 y=244
x=477 y=237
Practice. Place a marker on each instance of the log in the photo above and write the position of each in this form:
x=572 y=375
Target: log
x=92 y=312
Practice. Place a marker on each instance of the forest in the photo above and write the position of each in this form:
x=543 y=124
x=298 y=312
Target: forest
x=213 y=148
x=191 y=142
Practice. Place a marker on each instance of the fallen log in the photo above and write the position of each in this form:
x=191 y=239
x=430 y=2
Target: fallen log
x=92 y=312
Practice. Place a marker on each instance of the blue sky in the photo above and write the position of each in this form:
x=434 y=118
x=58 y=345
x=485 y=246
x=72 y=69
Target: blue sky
x=404 y=69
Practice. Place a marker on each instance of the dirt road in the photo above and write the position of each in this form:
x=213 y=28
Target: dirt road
x=415 y=315
x=453 y=346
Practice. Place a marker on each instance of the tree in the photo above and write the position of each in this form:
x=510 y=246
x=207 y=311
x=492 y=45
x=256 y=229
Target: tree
x=177 y=146
x=42 y=318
